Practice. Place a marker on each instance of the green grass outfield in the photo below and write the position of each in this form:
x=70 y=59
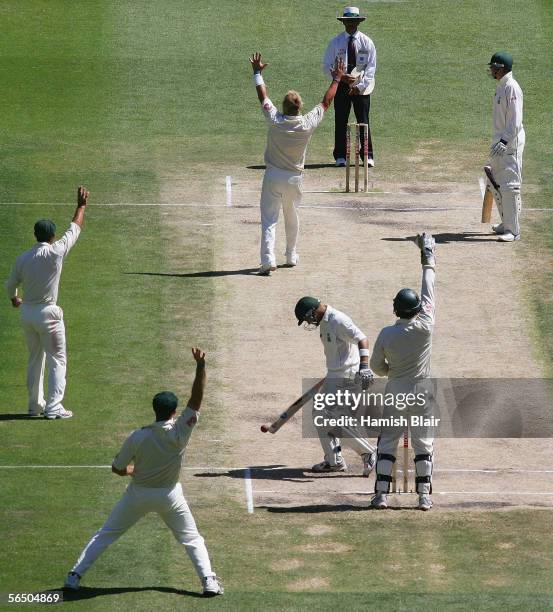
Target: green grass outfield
x=117 y=95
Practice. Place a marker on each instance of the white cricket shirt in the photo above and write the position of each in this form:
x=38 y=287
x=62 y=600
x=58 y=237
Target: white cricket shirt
x=340 y=337
x=403 y=350
x=507 y=110
x=365 y=55
x=38 y=270
x=288 y=137
x=157 y=450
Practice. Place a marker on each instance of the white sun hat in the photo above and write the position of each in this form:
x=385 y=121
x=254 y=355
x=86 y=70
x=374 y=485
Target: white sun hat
x=351 y=12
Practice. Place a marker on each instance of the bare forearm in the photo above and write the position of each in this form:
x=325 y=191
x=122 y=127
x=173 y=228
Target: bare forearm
x=198 y=387
x=261 y=92
x=330 y=93
x=78 y=217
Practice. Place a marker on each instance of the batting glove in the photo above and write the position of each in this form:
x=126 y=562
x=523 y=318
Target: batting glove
x=498 y=148
x=427 y=245
x=365 y=376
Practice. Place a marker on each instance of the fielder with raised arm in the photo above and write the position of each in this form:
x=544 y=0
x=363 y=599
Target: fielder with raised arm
x=152 y=457
x=38 y=272
x=287 y=139
x=402 y=353
x=347 y=360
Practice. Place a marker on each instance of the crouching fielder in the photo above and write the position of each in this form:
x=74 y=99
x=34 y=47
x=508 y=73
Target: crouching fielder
x=156 y=451
x=402 y=353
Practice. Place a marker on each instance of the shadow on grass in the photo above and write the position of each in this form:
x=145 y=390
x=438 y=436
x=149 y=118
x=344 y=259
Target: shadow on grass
x=307 y=166
x=276 y=472
x=20 y=416
x=92 y=592
x=447 y=237
x=206 y=274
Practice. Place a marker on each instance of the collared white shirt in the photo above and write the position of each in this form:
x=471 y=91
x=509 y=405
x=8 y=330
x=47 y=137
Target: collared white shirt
x=403 y=350
x=38 y=270
x=365 y=53
x=340 y=337
x=288 y=137
x=507 y=110
x=157 y=450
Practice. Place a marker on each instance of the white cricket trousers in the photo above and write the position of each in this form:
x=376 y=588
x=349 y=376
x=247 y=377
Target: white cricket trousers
x=333 y=438
x=45 y=334
x=507 y=171
x=137 y=501
x=280 y=189
x=421 y=443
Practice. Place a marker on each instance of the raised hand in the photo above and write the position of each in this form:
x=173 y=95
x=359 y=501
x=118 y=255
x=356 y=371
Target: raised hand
x=82 y=196
x=339 y=70
x=257 y=64
x=199 y=355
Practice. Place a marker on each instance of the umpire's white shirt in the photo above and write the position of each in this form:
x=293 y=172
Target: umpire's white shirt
x=340 y=337
x=403 y=350
x=288 y=137
x=157 y=450
x=507 y=111
x=365 y=55
x=38 y=270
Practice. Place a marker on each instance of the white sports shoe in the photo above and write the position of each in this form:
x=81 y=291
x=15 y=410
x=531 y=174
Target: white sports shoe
x=60 y=413
x=212 y=586
x=508 y=237
x=370 y=162
x=72 y=581
x=498 y=228
x=379 y=501
x=36 y=413
x=425 y=503
x=325 y=466
x=340 y=162
x=265 y=270
x=369 y=461
x=292 y=260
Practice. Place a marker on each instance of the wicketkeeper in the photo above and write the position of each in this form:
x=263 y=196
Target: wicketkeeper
x=402 y=353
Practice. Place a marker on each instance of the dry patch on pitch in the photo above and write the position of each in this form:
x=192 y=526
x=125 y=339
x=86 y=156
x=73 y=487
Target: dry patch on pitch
x=285 y=565
x=356 y=252
x=325 y=547
x=316 y=583
x=317 y=530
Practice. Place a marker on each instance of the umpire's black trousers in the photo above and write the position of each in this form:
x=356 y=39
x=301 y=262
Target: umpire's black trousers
x=342 y=107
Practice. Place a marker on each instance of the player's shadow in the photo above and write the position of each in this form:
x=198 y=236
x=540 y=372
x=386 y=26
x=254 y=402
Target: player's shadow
x=307 y=166
x=322 y=508
x=206 y=274
x=92 y=592
x=262 y=472
x=447 y=237
x=20 y=416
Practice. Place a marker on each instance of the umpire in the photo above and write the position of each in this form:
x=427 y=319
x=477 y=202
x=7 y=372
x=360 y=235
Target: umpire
x=358 y=53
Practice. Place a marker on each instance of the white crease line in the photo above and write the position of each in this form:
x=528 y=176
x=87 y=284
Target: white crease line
x=244 y=206
x=498 y=493
x=228 y=186
x=249 y=491
x=209 y=468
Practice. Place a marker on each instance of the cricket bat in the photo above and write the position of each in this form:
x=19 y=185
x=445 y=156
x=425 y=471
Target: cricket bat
x=487 y=203
x=292 y=409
